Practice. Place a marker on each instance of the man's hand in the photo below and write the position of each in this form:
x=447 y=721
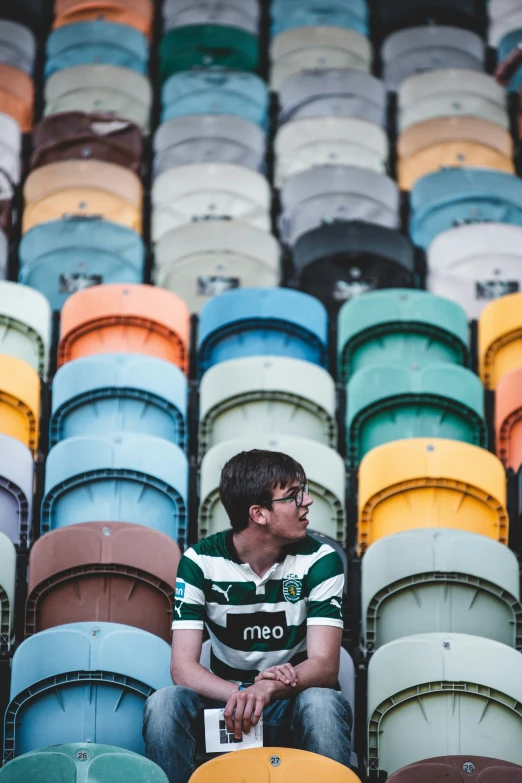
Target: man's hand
x=284 y=673
x=244 y=708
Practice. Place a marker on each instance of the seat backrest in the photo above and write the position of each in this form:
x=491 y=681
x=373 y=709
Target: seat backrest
x=19 y=401
x=7 y=591
x=17 y=95
x=25 y=316
x=508 y=419
x=132 y=13
x=457 y=769
x=499 y=339
x=16 y=490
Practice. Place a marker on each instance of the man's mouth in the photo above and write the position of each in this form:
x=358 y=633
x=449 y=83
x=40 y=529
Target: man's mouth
x=303 y=518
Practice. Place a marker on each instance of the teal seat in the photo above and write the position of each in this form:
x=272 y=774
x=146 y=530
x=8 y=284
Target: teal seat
x=81 y=763
x=402 y=325
x=395 y=400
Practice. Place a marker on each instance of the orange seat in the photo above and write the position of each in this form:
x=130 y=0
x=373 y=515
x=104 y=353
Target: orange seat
x=508 y=419
x=19 y=401
x=133 y=13
x=500 y=339
x=450 y=154
x=125 y=319
x=424 y=134
x=17 y=96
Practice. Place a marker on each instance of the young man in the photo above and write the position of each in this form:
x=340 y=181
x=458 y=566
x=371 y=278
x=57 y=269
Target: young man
x=271 y=598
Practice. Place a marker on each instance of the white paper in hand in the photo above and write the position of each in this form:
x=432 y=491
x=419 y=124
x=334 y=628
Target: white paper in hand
x=219 y=740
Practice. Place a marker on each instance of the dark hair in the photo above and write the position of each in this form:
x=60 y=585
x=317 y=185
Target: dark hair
x=249 y=478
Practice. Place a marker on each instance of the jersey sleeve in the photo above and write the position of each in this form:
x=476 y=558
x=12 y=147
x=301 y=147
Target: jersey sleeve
x=325 y=591
x=190 y=605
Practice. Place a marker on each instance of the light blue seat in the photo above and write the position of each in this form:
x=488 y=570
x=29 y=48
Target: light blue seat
x=124 y=478
x=262 y=322
x=505 y=47
x=111 y=393
x=338 y=13
x=83 y=682
x=61 y=257
x=215 y=91
x=453 y=197
x=87 y=43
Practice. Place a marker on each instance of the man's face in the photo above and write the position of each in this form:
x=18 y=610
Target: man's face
x=286 y=520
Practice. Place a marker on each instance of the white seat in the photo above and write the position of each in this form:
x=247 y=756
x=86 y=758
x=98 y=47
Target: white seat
x=500 y=27
x=25 y=325
x=7 y=591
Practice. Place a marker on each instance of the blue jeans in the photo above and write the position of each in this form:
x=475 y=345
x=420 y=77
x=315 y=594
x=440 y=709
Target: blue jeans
x=318 y=720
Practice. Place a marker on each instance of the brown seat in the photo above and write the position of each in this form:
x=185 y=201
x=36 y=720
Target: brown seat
x=17 y=95
x=440 y=129
x=75 y=135
x=133 y=13
x=103 y=572
x=458 y=769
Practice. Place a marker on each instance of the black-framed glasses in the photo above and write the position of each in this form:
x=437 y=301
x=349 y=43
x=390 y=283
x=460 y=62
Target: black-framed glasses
x=297 y=497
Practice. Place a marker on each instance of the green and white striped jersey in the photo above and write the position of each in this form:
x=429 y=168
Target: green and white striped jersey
x=257 y=622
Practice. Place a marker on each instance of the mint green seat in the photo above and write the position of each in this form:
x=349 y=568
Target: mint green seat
x=81 y=763
x=397 y=400
x=205 y=46
x=400 y=324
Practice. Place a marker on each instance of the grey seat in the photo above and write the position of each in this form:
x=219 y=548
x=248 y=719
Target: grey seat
x=332 y=194
x=17 y=46
x=333 y=93
x=208 y=138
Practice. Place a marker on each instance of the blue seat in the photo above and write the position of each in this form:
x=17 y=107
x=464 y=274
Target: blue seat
x=83 y=682
x=338 y=13
x=124 y=478
x=505 y=47
x=262 y=322
x=454 y=197
x=215 y=91
x=87 y=43
x=111 y=393
x=61 y=257
x=281 y=8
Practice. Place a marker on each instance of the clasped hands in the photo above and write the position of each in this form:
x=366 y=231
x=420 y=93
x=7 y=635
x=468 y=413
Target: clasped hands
x=244 y=708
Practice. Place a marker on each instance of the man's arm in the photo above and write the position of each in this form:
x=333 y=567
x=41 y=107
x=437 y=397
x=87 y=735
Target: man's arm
x=186 y=670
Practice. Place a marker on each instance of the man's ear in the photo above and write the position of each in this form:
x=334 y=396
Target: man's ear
x=258 y=514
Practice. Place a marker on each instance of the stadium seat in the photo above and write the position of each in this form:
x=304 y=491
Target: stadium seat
x=201 y=260
x=99 y=41
x=233 y=13
x=412 y=326
x=339 y=261
x=124 y=478
x=17 y=96
x=75 y=135
x=457 y=769
x=7 y=591
x=324 y=470
x=443 y=693
x=83 y=682
x=215 y=91
x=16 y=491
x=25 y=321
x=17 y=46
x=61 y=257
x=4 y=255
x=266 y=394
x=506 y=45
x=394 y=400
x=418 y=49
x=209 y=191
x=208 y=138
x=327 y=194
x=423 y=581
x=333 y=92
x=500 y=339
x=208 y=45
x=451 y=92
x=100 y=88
x=314 y=141
x=475 y=264
x=82 y=763
x=424 y=135
x=262 y=322
x=113 y=393
x=102 y=572
x=287 y=16
x=508 y=419
x=450 y=198
x=85 y=188
x=125 y=319
x=273 y=765
x=468 y=14
x=10 y=146
x=502 y=26
x=129 y=13
x=317 y=48
x=19 y=401
x=420 y=482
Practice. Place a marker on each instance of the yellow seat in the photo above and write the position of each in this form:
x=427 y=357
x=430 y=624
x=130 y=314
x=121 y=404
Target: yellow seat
x=85 y=203
x=273 y=765
x=450 y=154
x=19 y=401
x=422 y=482
x=500 y=339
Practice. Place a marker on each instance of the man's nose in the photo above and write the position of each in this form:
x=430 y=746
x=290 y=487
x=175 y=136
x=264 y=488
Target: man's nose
x=307 y=500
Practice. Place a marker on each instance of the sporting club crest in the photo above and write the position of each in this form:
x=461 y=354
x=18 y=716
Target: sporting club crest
x=292 y=587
